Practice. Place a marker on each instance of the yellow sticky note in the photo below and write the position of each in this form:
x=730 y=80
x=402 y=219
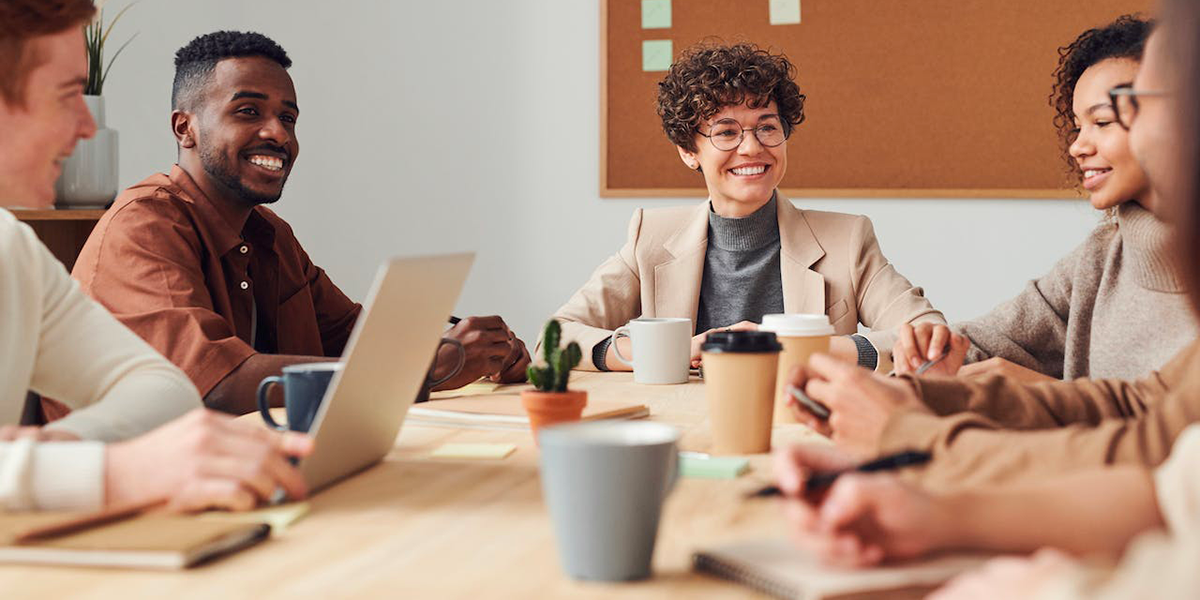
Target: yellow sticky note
x=656 y=55
x=278 y=517
x=475 y=451
x=784 y=12
x=656 y=14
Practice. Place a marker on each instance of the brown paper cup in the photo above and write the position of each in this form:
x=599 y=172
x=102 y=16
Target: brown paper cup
x=740 y=391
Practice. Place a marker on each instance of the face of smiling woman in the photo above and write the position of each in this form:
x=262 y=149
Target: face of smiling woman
x=741 y=180
x=1111 y=175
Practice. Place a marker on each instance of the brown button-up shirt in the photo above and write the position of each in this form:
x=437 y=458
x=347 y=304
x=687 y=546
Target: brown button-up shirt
x=171 y=265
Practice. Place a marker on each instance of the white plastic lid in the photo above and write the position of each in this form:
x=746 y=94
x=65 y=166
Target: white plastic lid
x=796 y=325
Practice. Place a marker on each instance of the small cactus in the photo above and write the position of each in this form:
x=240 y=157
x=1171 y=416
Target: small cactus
x=552 y=377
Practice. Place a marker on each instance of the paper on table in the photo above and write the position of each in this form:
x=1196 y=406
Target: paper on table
x=477 y=388
x=656 y=14
x=656 y=55
x=477 y=451
x=784 y=12
x=278 y=517
x=713 y=467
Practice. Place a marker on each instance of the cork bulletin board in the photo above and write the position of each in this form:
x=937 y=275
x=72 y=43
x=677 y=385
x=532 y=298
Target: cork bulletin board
x=924 y=98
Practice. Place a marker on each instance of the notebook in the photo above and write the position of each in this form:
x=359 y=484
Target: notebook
x=778 y=568
x=150 y=541
x=506 y=412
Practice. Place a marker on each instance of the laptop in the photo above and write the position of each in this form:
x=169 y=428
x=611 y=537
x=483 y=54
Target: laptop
x=385 y=361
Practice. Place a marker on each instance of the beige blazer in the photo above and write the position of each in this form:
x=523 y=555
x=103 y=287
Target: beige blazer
x=830 y=263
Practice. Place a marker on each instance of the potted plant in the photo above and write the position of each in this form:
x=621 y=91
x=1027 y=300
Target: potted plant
x=550 y=401
x=89 y=175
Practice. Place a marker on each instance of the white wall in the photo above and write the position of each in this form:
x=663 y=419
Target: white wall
x=438 y=126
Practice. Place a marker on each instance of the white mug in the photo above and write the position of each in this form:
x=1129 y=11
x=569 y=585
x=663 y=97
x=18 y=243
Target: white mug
x=662 y=349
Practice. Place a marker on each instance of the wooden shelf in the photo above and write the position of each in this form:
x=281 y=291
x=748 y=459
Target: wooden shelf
x=58 y=214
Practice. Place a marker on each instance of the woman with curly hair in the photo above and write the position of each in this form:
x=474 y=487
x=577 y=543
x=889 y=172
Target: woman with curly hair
x=746 y=251
x=1113 y=308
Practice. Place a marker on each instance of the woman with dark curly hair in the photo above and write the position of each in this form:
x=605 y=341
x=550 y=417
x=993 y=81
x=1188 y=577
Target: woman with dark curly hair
x=746 y=251
x=1113 y=307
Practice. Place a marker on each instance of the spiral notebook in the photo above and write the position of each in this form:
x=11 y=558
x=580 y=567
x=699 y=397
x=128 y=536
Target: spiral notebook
x=778 y=568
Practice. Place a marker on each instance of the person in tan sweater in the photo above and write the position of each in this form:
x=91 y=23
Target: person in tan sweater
x=1151 y=518
x=1114 y=307
x=746 y=251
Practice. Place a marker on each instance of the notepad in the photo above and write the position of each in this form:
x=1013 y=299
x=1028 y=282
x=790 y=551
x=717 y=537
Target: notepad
x=147 y=542
x=506 y=412
x=778 y=568
x=474 y=451
x=279 y=518
x=714 y=467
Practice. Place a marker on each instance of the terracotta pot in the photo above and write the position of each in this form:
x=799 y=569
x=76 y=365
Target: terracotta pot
x=548 y=408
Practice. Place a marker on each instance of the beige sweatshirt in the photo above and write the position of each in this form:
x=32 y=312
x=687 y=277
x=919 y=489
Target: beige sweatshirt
x=1111 y=309
x=56 y=341
x=1161 y=564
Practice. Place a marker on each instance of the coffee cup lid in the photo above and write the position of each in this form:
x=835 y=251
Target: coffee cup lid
x=797 y=324
x=741 y=342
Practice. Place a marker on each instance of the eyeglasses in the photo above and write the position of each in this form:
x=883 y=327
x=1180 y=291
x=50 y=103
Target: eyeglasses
x=1124 y=100
x=727 y=134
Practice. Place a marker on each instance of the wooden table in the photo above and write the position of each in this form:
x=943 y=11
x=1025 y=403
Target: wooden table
x=418 y=527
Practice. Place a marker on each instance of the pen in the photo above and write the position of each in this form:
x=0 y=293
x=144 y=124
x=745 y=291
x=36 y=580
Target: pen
x=813 y=406
x=454 y=320
x=819 y=481
x=925 y=366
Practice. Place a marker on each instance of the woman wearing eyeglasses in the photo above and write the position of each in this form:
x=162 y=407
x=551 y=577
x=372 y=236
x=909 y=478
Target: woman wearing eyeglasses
x=746 y=251
x=1113 y=308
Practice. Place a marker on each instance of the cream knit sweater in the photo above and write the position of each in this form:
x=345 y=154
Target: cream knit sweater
x=56 y=341
x=1111 y=309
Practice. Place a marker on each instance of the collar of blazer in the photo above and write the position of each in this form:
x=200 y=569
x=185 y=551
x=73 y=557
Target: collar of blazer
x=677 y=281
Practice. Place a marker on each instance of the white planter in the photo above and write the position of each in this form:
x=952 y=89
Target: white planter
x=89 y=176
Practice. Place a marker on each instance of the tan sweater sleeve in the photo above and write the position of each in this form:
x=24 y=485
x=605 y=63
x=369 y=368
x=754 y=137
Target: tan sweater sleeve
x=886 y=300
x=610 y=298
x=1106 y=422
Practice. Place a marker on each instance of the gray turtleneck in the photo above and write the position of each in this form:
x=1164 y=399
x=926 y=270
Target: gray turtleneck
x=742 y=280
x=1113 y=308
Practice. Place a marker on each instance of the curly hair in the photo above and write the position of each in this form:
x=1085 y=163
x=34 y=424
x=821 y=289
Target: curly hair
x=1123 y=38
x=707 y=78
x=23 y=20
x=194 y=63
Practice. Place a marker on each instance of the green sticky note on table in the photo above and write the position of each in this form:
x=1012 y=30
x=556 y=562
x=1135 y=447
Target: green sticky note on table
x=785 y=12
x=656 y=14
x=474 y=451
x=656 y=55
x=713 y=467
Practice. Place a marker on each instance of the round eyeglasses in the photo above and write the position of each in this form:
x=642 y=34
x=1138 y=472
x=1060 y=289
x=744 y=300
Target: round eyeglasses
x=727 y=134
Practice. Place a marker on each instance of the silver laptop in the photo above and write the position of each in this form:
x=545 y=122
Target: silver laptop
x=390 y=349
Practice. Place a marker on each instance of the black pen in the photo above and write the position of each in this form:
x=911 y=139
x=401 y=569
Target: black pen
x=454 y=320
x=819 y=481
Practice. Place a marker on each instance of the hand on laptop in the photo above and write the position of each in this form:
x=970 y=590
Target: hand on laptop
x=205 y=459
x=492 y=351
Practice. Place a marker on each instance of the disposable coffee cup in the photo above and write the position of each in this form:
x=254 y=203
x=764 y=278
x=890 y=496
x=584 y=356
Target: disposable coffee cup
x=739 y=384
x=801 y=335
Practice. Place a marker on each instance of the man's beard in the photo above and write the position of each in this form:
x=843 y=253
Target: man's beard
x=216 y=166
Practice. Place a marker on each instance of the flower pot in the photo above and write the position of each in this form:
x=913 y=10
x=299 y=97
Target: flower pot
x=548 y=408
x=89 y=175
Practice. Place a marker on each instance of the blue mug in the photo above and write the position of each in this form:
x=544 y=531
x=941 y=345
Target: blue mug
x=304 y=387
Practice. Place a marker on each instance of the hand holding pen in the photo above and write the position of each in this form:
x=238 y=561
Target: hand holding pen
x=929 y=349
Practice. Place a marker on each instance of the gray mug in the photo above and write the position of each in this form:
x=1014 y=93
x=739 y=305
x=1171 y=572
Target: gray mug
x=304 y=388
x=604 y=484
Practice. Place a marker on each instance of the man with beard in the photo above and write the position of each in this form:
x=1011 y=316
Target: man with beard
x=195 y=264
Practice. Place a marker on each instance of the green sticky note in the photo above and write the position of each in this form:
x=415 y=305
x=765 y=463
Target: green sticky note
x=713 y=467
x=474 y=451
x=656 y=14
x=656 y=55
x=785 y=12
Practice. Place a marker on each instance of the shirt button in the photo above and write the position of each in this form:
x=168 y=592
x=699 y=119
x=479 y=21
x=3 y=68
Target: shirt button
x=245 y=285
x=244 y=249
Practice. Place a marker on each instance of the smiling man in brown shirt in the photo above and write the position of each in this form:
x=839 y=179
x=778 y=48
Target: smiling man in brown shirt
x=194 y=263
